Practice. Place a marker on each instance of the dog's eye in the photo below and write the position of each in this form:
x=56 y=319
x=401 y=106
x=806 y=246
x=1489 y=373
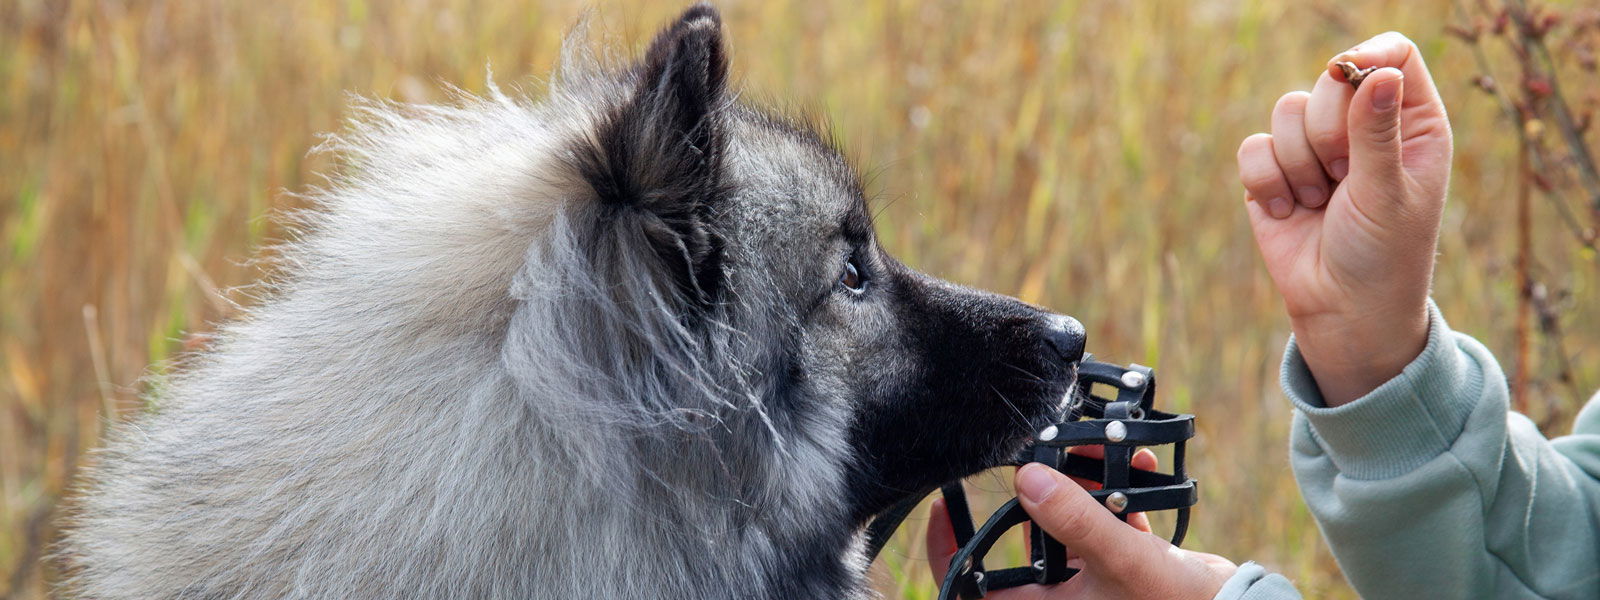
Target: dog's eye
x=851 y=278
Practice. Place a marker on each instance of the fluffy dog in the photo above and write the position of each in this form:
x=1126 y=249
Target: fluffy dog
x=631 y=340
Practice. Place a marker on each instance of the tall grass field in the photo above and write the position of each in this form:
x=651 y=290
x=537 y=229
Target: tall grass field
x=1077 y=154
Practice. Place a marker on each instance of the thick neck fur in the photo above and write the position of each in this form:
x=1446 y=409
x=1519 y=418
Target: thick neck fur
x=420 y=407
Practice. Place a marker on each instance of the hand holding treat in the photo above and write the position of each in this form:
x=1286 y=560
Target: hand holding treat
x=1345 y=197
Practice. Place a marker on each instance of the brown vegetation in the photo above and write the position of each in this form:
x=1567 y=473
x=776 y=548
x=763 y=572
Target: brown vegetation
x=1077 y=154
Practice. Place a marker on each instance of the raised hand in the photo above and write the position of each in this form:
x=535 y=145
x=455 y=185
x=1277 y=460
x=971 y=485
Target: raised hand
x=1345 y=197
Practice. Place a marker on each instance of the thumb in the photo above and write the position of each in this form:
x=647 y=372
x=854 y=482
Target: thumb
x=1375 y=163
x=1073 y=517
x=941 y=538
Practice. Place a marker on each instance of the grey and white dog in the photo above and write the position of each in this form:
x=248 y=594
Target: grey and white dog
x=632 y=340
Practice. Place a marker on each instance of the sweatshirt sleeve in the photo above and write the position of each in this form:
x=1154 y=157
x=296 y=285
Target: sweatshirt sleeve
x=1429 y=487
x=1253 y=582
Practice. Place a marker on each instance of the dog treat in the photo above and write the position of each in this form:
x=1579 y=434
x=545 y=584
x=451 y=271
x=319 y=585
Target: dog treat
x=1354 y=74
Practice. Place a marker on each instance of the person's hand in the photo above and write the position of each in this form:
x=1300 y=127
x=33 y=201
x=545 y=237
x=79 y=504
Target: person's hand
x=1345 y=198
x=1119 y=560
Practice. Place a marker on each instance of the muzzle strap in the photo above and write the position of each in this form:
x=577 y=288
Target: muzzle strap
x=1121 y=425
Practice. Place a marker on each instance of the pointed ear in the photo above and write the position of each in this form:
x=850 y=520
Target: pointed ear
x=656 y=160
x=684 y=77
x=668 y=136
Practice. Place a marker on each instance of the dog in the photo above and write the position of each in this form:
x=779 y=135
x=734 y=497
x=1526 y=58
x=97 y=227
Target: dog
x=632 y=339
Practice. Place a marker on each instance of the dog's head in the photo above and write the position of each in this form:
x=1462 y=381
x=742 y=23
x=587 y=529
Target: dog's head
x=751 y=234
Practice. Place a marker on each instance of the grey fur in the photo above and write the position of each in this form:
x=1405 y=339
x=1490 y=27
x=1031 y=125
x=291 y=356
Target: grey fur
x=458 y=389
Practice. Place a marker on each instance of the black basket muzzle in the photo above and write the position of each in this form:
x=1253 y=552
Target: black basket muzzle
x=1122 y=424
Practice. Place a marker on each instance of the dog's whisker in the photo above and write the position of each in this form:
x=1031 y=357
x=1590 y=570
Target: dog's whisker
x=1021 y=420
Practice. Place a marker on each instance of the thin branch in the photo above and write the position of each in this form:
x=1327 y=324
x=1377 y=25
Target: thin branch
x=1558 y=103
x=1520 y=379
x=1584 y=235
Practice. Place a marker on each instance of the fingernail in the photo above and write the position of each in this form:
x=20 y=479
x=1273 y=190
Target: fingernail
x=1312 y=195
x=1347 y=55
x=1036 y=483
x=1339 y=168
x=1280 y=207
x=1384 y=95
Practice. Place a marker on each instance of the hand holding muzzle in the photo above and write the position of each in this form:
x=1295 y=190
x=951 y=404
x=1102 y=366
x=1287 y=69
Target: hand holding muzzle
x=1121 y=424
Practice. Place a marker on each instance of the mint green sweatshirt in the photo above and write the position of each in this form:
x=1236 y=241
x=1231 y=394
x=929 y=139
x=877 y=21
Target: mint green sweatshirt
x=1429 y=487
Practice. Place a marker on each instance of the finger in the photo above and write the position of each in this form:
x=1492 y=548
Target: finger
x=1211 y=559
x=1285 y=243
x=1325 y=130
x=1095 y=451
x=1141 y=522
x=1295 y=156
x=1145 y=460
x=1391 y=49
x=1375 y=166
x=1259 y=172
x=1074 y=518
x=941 y=539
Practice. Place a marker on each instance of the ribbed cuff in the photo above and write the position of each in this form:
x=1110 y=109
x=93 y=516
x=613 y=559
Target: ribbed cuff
x=1404 y=423
x=1253 y=582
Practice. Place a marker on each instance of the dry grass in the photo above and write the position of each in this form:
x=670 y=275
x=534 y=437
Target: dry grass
x=1077 y=154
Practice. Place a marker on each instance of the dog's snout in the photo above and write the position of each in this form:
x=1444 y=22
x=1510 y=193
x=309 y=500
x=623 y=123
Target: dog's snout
x=1066 y=335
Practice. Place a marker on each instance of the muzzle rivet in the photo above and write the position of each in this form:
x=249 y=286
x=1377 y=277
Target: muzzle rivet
x=1038 y=565
x=977 y=577
x=1117 y=502
x=1048 y=433
x=1132 y=379
x=1116 y=431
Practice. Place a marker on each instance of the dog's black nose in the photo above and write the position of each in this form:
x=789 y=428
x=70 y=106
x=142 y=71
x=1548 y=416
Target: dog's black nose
x=1066 y=335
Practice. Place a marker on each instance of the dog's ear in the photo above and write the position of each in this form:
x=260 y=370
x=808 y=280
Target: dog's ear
x=656 y=161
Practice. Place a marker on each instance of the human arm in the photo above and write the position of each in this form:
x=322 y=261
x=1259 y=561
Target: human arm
x=1429 y=488
x=1422 y=481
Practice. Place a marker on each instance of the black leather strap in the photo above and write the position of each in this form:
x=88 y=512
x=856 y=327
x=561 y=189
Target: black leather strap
x=959 y=578
x=1134 y=422
x=884 y=525
x=1139 y=432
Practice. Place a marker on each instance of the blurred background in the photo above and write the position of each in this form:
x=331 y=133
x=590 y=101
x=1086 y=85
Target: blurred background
x=1076 y=154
